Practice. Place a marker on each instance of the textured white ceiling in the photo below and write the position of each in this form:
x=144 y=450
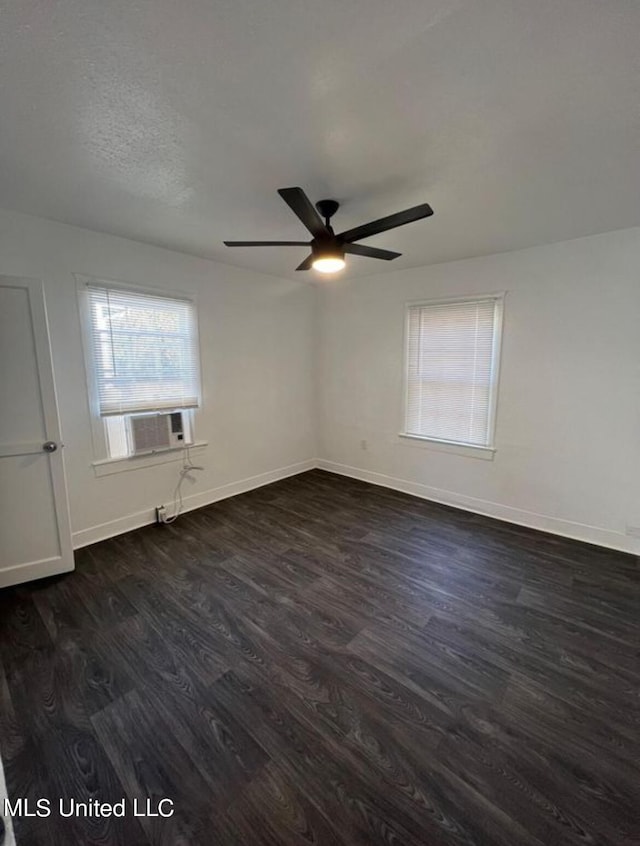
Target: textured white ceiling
x=175 y=122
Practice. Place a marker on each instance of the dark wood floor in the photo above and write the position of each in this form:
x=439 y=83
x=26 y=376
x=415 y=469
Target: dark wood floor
x=322 y=661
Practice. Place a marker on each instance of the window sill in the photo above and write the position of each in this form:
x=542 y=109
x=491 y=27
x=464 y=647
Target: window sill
x=108 y=466
x=454 y=447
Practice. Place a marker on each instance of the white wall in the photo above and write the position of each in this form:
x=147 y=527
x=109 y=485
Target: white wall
x=256 y=338
x=568 y=425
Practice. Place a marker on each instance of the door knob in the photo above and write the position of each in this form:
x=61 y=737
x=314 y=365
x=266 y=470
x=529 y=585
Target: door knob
x=49 y=446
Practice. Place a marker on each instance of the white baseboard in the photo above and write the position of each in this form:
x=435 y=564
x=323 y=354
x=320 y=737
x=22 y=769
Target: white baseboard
x=20 y=573
x=521 y=517
x=144 y=518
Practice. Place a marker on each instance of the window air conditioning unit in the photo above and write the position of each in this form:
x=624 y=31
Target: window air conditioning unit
x=153 y=432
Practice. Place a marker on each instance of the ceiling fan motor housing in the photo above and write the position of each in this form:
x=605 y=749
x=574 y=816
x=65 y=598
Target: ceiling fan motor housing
x=327 y=208
x=327 y=247
x=329 y=244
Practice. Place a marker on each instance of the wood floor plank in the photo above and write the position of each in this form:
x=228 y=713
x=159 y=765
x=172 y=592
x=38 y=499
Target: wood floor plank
x=22 y=629
x=324 y=769
x=152 y=764
x=275 y=807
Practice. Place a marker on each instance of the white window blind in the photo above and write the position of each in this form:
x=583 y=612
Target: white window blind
x=144 y=350
x=452 y=367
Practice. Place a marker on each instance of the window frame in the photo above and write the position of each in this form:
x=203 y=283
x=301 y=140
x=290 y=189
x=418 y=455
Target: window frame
x=104 y=463
x=442 y=444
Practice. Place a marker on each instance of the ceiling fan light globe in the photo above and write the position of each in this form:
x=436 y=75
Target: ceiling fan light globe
x=328 y=264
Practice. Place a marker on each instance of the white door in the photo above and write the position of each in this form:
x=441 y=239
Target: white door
x=35 y=532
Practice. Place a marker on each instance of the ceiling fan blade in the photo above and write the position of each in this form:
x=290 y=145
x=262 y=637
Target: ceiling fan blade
x=370 y=252
x=266 y=243
x=301 y=206
x=385 y=223
x=306 y=264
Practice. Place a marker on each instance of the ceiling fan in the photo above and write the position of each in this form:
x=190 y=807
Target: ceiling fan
x=327 y=248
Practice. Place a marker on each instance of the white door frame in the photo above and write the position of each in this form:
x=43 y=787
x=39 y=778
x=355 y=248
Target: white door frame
x=63 y=562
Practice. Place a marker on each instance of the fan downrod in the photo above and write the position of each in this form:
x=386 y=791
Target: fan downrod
x=327 y=209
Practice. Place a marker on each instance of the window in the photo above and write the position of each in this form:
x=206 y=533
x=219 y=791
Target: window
x=143 y=355
x=452 y=370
